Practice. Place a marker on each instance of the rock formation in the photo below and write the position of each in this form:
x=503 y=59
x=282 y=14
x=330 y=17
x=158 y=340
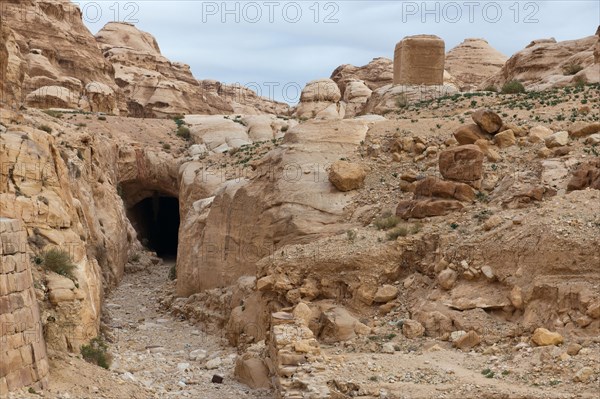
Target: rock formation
x=155 y=86
x=23 y=351
x=547 y=63
x=473 y=61
x=419 y=60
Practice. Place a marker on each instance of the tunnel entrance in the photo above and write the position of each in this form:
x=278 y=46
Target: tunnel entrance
x=156 y=220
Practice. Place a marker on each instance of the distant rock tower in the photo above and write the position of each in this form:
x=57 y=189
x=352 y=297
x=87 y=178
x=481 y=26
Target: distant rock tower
x=419 y=60
x=597 y=48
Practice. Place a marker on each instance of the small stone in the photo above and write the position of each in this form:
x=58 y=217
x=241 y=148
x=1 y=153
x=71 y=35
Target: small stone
x=412 y=329
x=198 y=355
x=447 y=278
x=385 y=293
x=467 y=341
x=573 y=349
x=214 y=363
x=488 y=272
x=505 y=139
x=538 y=133
x=584 y=375
x=217 y=379
x=183 y=366
x=388 y=347
x=492 y=222
x=557 y=139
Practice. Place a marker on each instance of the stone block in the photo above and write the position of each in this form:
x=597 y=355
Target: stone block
x=419 y=60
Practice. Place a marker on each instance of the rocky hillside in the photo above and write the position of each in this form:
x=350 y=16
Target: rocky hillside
x=52 y=60
x=473 y=61
x=547 y=63
x=377 y=241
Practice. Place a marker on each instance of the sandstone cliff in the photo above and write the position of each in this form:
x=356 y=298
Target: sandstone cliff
x=474 y=61
x=548 y=63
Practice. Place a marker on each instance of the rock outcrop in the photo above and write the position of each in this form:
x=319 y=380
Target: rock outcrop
x=320 y=99
x=473 y=61
x=155 y=87
x=377 y=73
x=419 y=60
x=547 y=63
x=55 y=50
x=23 y=351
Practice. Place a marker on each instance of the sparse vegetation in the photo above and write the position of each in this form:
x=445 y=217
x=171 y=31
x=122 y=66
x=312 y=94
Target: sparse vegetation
x=351 y=235
x=166 y=146
x=401 y=101
x=96 y=353
x=59 y=261
x=102 y=118
x=173 y=273
x=184 y=132
x=386 y=221
x=403 y=231
x=45 y=128
x=513 y=87
x=53 y=113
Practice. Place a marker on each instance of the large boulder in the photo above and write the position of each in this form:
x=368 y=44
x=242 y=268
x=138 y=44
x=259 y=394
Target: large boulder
x=469 y=134
x=487 y=120
x=346 y=176
x=463 y=163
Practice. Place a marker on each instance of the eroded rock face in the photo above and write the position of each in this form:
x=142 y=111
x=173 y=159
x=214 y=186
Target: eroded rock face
x=546 y=63
x=473 y=61
x=24 y=362
x=320 y=99
x=419 y=60
x=377 y=73
x=287 y=198
x=55 y=50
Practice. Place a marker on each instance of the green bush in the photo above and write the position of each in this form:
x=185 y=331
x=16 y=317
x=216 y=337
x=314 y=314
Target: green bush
x=59 y=262
x=386 y=221
x=513 y=87
x=173 y=273
x=53 y=113
x=45 y=128
x=96 y=353
x=184 y=132
x=401 y=101
x=166 y=146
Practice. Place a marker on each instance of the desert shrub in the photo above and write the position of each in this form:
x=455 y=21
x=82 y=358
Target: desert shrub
x=59 y=261
x=401 y=231
x=513 y=87
x=579 y=82
x=166 y=146
x=96 y=353
x=386 y=221
x=184 y=132
x=53 y=113
x=102 y=118
x=135 y=257
x=351 y=235
x=571 y=69
x=173 y=273
x=401 y=101
x=45 y=128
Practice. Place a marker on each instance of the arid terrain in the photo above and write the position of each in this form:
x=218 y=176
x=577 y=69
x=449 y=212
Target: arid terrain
x=401 y=232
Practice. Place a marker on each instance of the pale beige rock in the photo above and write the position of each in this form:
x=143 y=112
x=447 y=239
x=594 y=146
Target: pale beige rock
x=447 y=279
x=463 y=163
x=473 y=61
x=385 y=293
x=557 y=139
x=377 y=73
x=252 y=371
x=467 y=341
x=470 y=134
x=538 y=134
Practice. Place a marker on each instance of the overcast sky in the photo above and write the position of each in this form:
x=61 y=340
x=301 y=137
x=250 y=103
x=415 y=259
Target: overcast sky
x=293 y=42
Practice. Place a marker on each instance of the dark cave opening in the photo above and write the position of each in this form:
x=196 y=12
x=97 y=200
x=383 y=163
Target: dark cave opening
x=156 y=220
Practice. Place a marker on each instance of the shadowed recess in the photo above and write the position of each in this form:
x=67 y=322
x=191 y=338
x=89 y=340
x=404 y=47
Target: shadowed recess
x=156 y=220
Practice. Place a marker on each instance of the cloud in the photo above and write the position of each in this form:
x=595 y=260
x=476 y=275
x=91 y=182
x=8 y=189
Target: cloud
x=297 y=41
